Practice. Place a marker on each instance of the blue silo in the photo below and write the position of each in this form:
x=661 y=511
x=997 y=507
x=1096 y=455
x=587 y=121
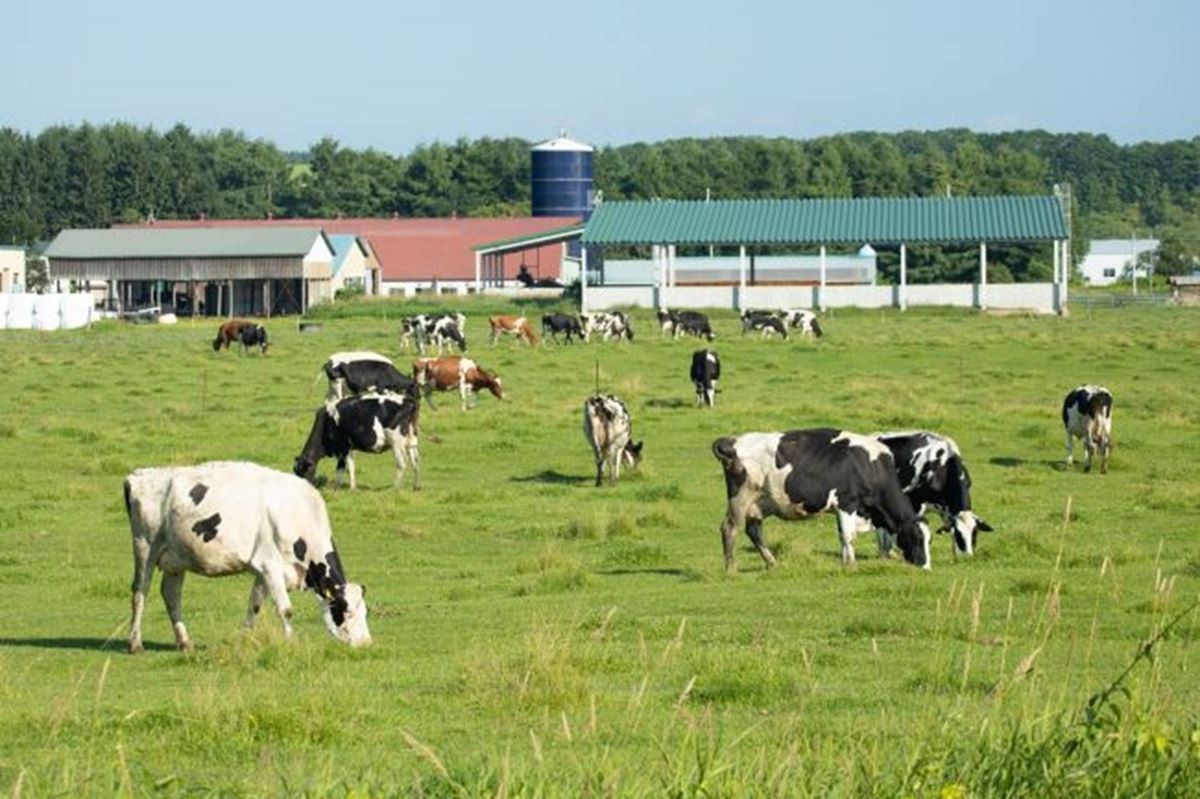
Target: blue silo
x=562 y=178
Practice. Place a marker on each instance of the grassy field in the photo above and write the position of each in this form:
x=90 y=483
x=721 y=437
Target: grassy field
x=537 y=636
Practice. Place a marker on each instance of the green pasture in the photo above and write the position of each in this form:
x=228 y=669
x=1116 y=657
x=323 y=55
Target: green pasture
x=537 y=636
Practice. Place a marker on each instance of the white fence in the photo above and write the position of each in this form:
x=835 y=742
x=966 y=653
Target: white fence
x=45 y=311
x=1036 y=297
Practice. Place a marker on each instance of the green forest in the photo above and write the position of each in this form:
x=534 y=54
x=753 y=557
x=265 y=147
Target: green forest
x=94 y=176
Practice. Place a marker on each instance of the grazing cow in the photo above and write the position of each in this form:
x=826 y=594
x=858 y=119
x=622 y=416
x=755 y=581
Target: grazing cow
x=614 y=324
x=229 y=332
x=800 y=473
x=693 y=323
x=933 y=477
x=553 y=324
x=765 y=322
x=370 y=422
x=666 y=320
x=442 y=330
x=252 y=335
x=608 y=428
x=231 y=517
x=454 y=371
x=706 y=370
x=513 y=326
x=803 y=320
x=1087 y=414
x=357 y=372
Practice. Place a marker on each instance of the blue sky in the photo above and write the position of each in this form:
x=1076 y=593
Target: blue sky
x=393 y=75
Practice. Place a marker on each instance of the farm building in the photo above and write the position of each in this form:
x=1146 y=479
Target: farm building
x=254 y=271
x=12 y=269
x=350 y=271
x=1108 y=259
x=1185 y=289
x=417 y=256
x=797 y=232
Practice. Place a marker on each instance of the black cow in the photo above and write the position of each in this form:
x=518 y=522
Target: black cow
x=766 y=322
x=253 y=336
x=1087 y=414
x=358 y=372
x=367 y=423
x=693 y=323
x=706 y=370
x=933 y=477
x=805 y=472
x=553 y=324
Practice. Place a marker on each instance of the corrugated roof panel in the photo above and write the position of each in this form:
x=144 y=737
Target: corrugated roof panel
x=148 y=242
x=828 y=221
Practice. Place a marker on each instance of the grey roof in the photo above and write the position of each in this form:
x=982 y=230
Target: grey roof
x=1122 y=246
x=224 y=242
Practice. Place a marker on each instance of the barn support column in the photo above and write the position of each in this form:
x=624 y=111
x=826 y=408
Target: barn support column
x=267 y=298
x=230 y=301
x=583 y=280
x=982 y=300
x=303 y=296
x=1065 y=244
x=902 y=299
x=741 y=277
x=821 y=288
x=478 y=272
x=671 y=265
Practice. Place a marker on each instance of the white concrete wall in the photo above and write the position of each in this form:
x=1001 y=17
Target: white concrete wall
x=860 y=297
x=601 y=298
x=961 y=294
x=1035 y=296
x=778 y=297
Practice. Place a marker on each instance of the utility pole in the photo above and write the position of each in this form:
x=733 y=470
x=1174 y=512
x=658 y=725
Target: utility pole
x=1133 y=261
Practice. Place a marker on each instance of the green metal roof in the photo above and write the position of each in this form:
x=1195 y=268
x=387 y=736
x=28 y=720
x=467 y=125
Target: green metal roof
x=878 y=220
x=558 y=233
x=217 y=242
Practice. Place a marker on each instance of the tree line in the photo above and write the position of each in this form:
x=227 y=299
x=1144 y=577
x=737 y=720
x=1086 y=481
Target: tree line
x=94 y=176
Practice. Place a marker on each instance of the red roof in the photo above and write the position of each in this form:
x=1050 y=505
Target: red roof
x=423 y=249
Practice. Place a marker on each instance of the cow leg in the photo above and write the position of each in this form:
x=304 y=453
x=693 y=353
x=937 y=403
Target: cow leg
x=350 y=469
x=614 y=465
x=341 y=469
x=1070 y=449
x=754 y=530
x=1088 y=449
x=172 y=594
x=599 y=469
x=414 y=459
x=143 y=573
x=847 y=530
x=272 y=577
x=462 y=390
x=729 y=528
x=884 y=538
x=258 y=592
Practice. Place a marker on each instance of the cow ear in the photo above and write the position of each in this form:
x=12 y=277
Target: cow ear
x=980 y=524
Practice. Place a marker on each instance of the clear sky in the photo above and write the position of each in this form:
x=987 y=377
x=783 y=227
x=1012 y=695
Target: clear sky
x=393 y=74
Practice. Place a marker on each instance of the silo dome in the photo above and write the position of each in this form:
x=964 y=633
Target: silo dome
x=562 y=177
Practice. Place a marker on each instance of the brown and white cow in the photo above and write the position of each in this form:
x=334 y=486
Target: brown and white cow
x=512 y=326
x=250 y=334
x=448 y=372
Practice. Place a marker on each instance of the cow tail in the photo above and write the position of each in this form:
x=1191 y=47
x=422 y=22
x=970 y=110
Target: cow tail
x=725 y=450
x=128 y=498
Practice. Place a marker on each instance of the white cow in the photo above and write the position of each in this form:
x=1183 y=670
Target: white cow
x=230 y=517
x=608 y=428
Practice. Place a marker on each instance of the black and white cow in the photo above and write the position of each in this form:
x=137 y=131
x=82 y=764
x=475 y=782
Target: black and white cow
x=253 y=335
x=553 y=324
x=608 y=427
x=933 y=477
x=1087 y=414
x=801 y=473
x=693 y=323
x=231 y=517
x=609 y=324
x=442 y=330
x=358 y=372
x=803 y=320
x=370 y=422
x=706 y=370
x=666 y=320
x=766 y=322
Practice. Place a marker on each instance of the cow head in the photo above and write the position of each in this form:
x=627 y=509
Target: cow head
x=262 y=339
x=304 y=467
x=632 y=454
x=965 y=527
x=345 y=610
x=495 y=386
x=913 y=539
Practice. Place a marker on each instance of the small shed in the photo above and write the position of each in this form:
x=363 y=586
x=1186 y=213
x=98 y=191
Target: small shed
x=1185 y=289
